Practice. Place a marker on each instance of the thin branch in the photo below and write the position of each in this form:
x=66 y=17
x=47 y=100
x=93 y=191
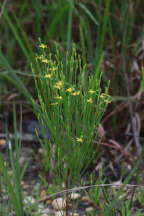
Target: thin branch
x=133 y=118
x=141 y=187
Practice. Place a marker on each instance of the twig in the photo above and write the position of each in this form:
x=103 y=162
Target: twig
x=141 y=187
x=123 y=105
x=133 y=119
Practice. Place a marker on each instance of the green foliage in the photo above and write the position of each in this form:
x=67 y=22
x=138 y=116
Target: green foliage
x=71 y=106
x=14 y=189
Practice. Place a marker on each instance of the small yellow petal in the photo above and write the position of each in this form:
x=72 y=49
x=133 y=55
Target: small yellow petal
x=40 y=57
x=45 y=60
x=92 y=91
x=90 y=100
x=76 y=93
x=103 y=95
x=43 y=46
x=107 y=101
x=79 y=139
x=48 y=76
x=70 y=90
x=54 y=103
x=52 y=68
x=58 y=97
x=58 y=85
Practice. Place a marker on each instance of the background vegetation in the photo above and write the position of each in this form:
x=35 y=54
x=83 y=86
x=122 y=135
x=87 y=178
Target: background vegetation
x=108 y=34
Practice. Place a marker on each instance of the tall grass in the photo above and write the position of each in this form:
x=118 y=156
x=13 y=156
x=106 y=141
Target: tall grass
x=13 y=184
x=71 y=107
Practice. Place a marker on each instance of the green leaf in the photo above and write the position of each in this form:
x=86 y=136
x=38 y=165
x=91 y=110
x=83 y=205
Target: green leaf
x=87 y=11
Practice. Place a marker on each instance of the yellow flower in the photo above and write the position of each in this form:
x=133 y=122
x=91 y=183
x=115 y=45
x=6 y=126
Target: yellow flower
x=104 y=95
x=70 y=90
x=52 y=68
x=76 y=93
x=92 y=91
x=58 y=97
x=40 y=57
x=90 y=100
x=45 y=60
x=54 y=103
x=48 y=76
x=79 y=139
x=58 y=85
x=107 y=101
x=101 y=96
x=43 y=46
